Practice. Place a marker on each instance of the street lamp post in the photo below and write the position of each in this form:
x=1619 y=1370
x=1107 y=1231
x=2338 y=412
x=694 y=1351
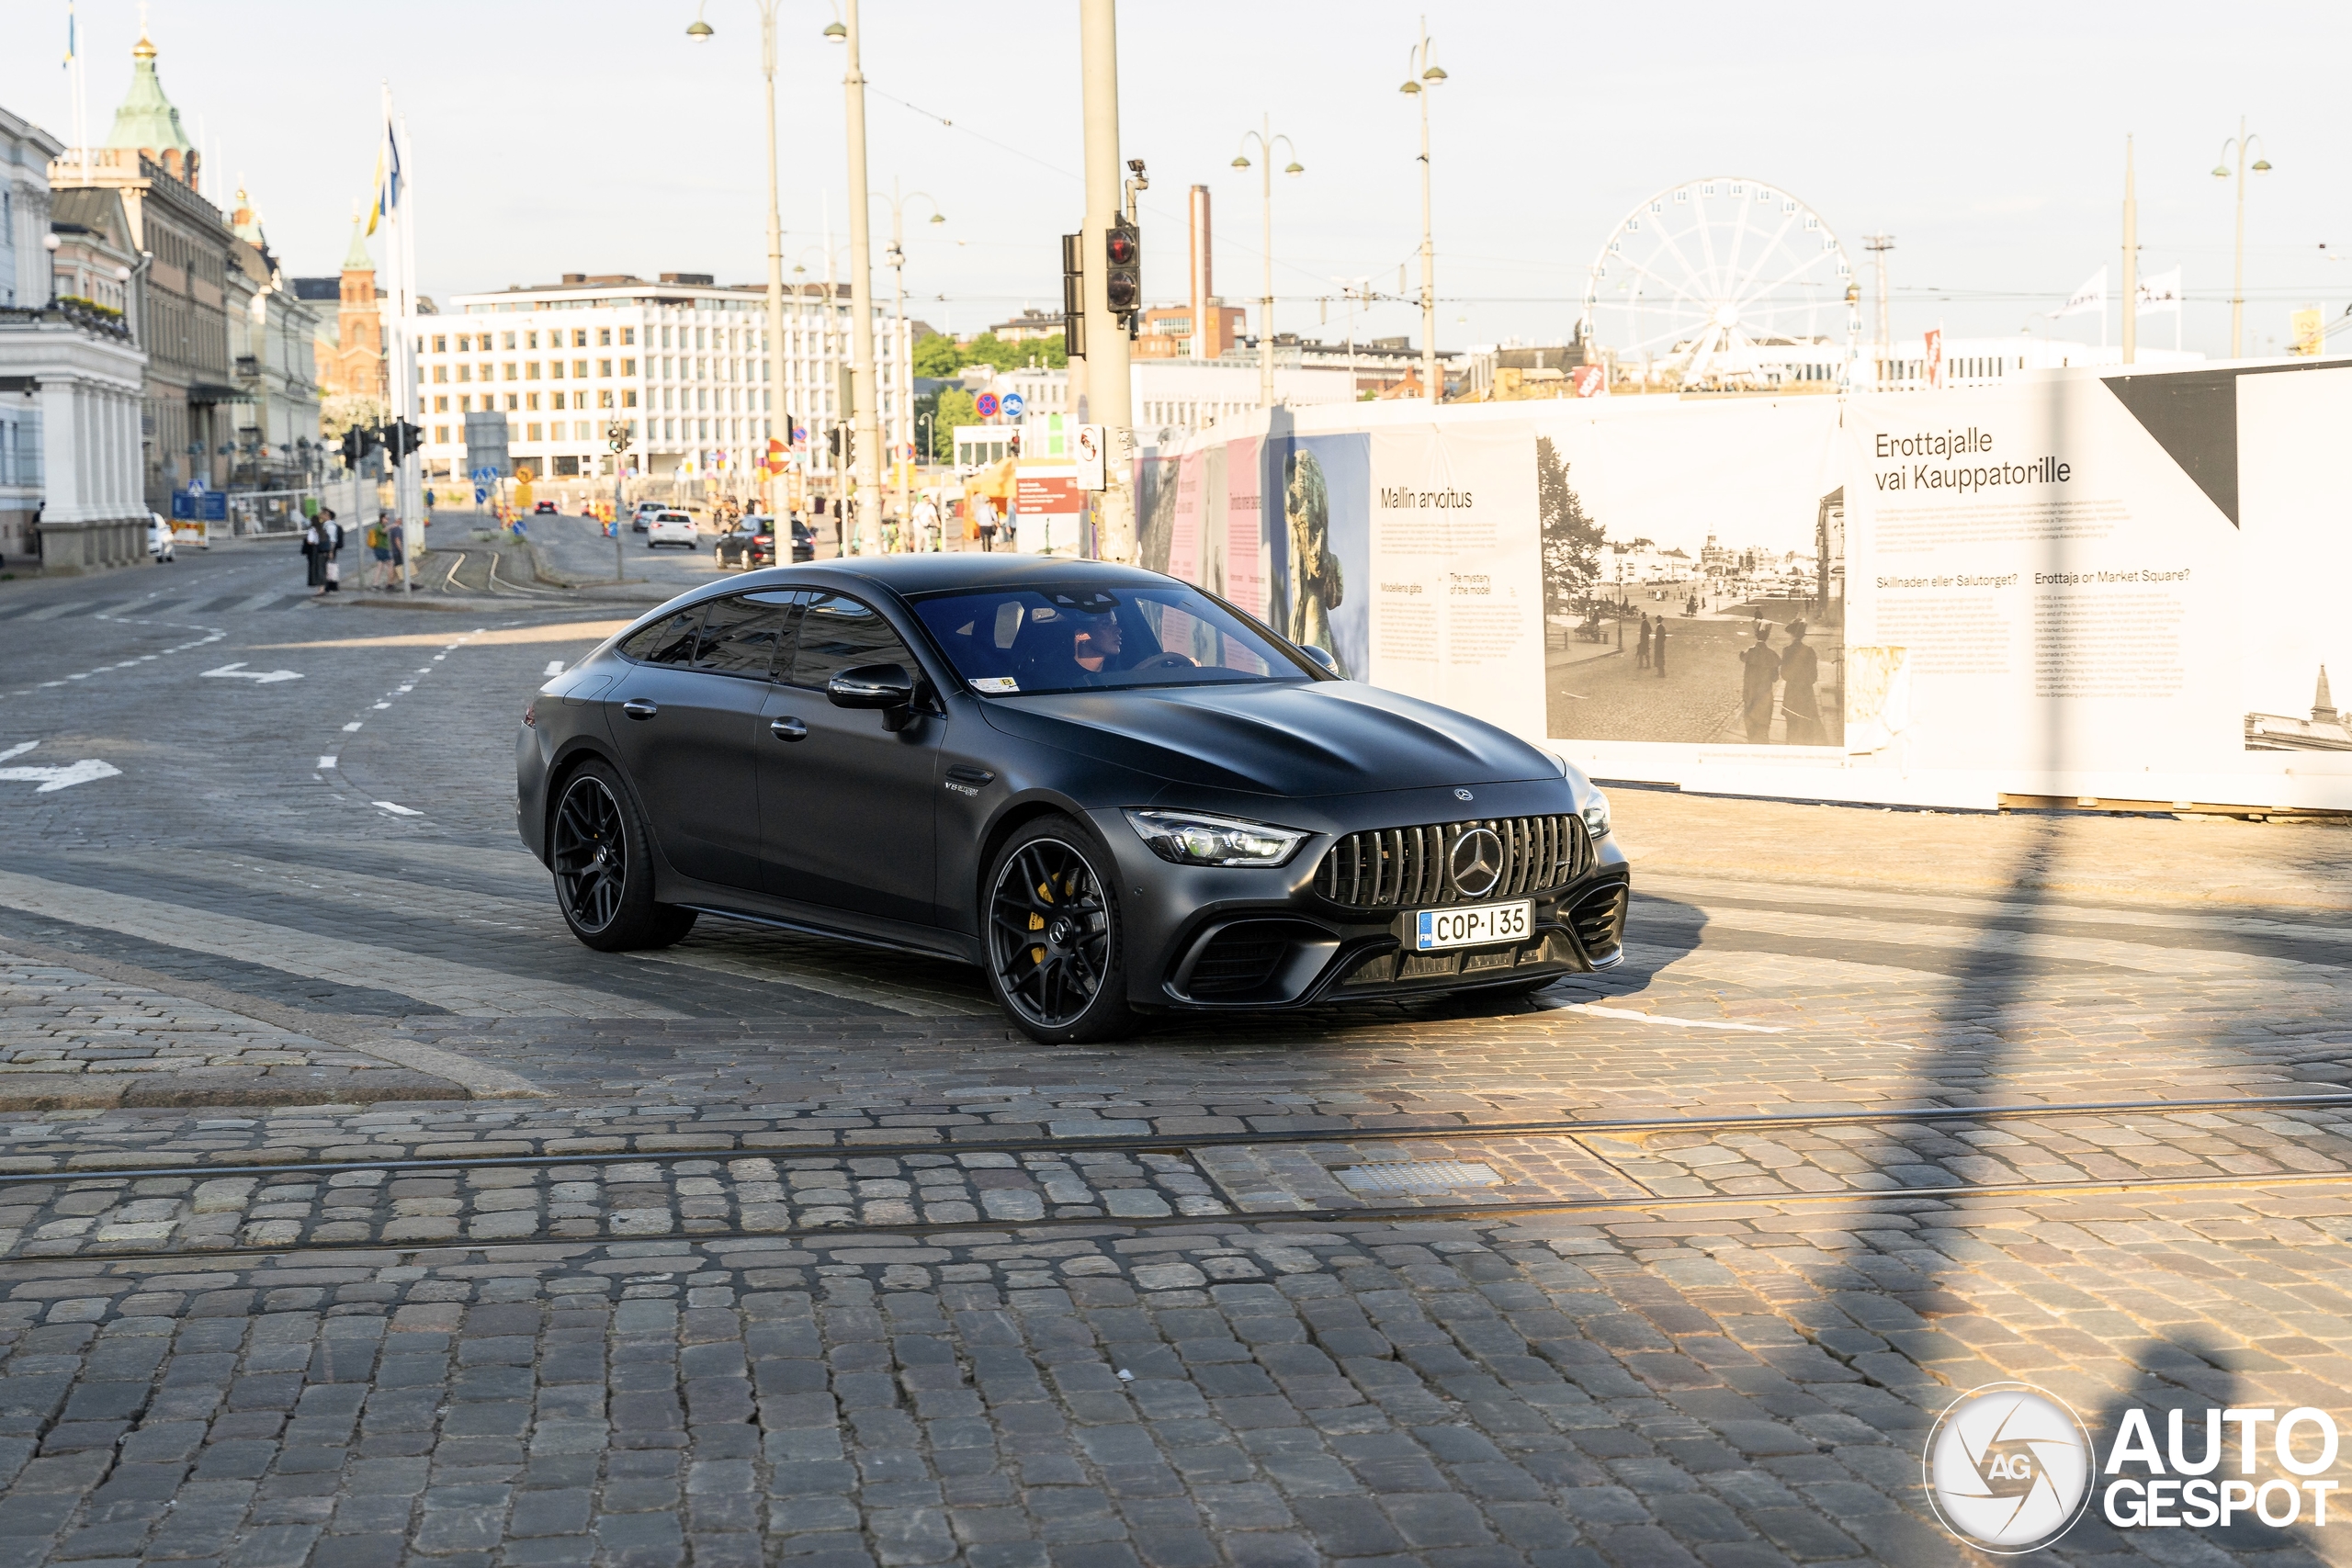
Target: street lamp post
x=901 y=351
x=702 y=31
x=867 y=439
x=1420 y=76
x=1266 y=140
x=2237 y=146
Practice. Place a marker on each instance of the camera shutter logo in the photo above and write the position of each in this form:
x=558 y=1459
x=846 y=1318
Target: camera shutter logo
x=2008 y=1468
x=1475 y=861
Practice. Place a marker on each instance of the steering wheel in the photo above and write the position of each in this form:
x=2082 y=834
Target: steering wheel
x=1168 y=661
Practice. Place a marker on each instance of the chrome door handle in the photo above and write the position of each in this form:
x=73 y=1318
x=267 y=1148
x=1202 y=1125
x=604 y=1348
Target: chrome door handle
x=637 y=708
x=787 y=729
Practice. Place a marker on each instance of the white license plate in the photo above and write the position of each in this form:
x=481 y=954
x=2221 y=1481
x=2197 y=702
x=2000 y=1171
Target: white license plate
x=1474 y=925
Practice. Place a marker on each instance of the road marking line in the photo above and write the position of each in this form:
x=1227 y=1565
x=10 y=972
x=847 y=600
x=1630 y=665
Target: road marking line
x=463 y=989
x=351 y=726
x=18 y=750
x=1674 y=1022
x=238 y=671
x=326 y=761
x=54 y=779
x=395 y=810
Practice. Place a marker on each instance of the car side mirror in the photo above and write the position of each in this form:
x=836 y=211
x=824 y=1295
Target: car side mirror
x=881 y=686
x=1322 y=656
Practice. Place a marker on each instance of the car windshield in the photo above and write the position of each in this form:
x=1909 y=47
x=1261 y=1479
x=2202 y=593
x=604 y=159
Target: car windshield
x=1083 y=638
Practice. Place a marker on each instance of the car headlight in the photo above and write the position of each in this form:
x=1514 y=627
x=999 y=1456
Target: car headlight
x=1194 y=838
x=1595 y=813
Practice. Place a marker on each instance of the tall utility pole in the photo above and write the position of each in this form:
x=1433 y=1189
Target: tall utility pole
x=864 y=389
x=902 y=428
x=1878 y=245
x=2130 y=261
x=779 y=361
x=1425 y=76
x=1109 y=388
x=1266 y=139
x=2238 y=145
x=779 y=420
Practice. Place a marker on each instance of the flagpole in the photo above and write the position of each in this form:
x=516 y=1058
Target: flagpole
x=2130 y=261
x=413 y=461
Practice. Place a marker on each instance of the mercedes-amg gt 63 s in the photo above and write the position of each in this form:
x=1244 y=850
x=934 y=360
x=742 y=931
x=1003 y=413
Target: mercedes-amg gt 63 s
x=1116 y=794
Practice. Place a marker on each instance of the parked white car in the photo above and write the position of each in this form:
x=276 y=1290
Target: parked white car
x=159 y=537
x=672 y=528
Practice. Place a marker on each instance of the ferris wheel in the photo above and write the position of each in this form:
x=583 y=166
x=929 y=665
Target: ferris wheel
x=1722 y=282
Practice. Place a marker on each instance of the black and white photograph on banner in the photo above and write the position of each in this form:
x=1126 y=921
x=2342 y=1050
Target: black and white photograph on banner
x=1694 y=582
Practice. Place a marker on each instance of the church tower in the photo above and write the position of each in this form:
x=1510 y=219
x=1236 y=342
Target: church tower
x=354 y=363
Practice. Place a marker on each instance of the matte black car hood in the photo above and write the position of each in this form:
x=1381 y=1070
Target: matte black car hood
x=1293 y=738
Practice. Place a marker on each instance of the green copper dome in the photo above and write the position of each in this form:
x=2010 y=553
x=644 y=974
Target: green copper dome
x=147 y=119
x=357 y=258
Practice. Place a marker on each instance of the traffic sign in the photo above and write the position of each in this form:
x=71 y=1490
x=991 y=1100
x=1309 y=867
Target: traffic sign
x=986 y=403
x=1012 y=405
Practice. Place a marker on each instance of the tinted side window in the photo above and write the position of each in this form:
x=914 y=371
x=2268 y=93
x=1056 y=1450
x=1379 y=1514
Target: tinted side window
x=670 y=640
x=838 y=633
x=742 y=635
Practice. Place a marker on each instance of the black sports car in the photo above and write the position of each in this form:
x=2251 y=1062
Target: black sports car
x=1114 y=792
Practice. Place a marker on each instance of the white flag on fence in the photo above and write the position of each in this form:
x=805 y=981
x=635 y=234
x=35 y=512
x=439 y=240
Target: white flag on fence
x=2091 y=296
x=2161 y=292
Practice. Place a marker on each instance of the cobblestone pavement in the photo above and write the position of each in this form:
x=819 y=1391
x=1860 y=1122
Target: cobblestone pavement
x=351 y=1214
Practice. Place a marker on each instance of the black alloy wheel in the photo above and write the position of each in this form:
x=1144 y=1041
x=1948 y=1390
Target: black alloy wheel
x=1055 y=958
x=603 y=878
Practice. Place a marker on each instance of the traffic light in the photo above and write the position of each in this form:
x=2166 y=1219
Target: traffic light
x=358 y=442
x=401 y=440
x=833 y=441
x=1123 y=283
x=1074 y=296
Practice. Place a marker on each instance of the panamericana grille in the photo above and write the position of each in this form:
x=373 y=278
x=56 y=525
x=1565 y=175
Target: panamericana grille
x=1391 y=868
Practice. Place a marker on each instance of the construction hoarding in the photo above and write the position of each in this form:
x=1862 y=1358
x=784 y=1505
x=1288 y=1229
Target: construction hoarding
x=2082 y=584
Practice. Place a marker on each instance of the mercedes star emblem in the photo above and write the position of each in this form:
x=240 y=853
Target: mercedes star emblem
x=1462 y=795
x=1476 y=862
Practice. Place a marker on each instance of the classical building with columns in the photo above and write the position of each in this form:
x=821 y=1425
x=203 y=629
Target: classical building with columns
x=196 y=293
x=72 y=375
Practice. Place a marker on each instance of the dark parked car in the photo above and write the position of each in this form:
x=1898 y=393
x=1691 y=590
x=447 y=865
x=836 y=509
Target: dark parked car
x=750 y=545
x=1114 y=792
x=547 y=509
x=804 y=541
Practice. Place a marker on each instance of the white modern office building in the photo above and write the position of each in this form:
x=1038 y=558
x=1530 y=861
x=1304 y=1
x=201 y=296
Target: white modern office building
x=682 y=360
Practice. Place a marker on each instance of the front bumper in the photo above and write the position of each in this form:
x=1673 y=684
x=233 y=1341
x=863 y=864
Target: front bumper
x=1210 y=938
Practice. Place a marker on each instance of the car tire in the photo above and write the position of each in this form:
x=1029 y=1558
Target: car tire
x=1050 y=926
x=600 y=850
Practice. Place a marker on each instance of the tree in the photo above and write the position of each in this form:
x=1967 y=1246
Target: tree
x=341 y=410
x=950 y=407
x=940 y=355
x=1571 y=541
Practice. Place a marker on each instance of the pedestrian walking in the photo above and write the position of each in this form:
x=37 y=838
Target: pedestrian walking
x=379 y=551
x=927 y=527
x=1642 y=645
x=333 y=544
x=1658 y=647
x=1760 y=668
x=314 y=557
x=1800 y=672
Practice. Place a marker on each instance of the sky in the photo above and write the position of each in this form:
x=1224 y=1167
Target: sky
x=593 y=136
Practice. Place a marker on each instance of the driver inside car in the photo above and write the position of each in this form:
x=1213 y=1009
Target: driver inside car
x=1095 y=643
